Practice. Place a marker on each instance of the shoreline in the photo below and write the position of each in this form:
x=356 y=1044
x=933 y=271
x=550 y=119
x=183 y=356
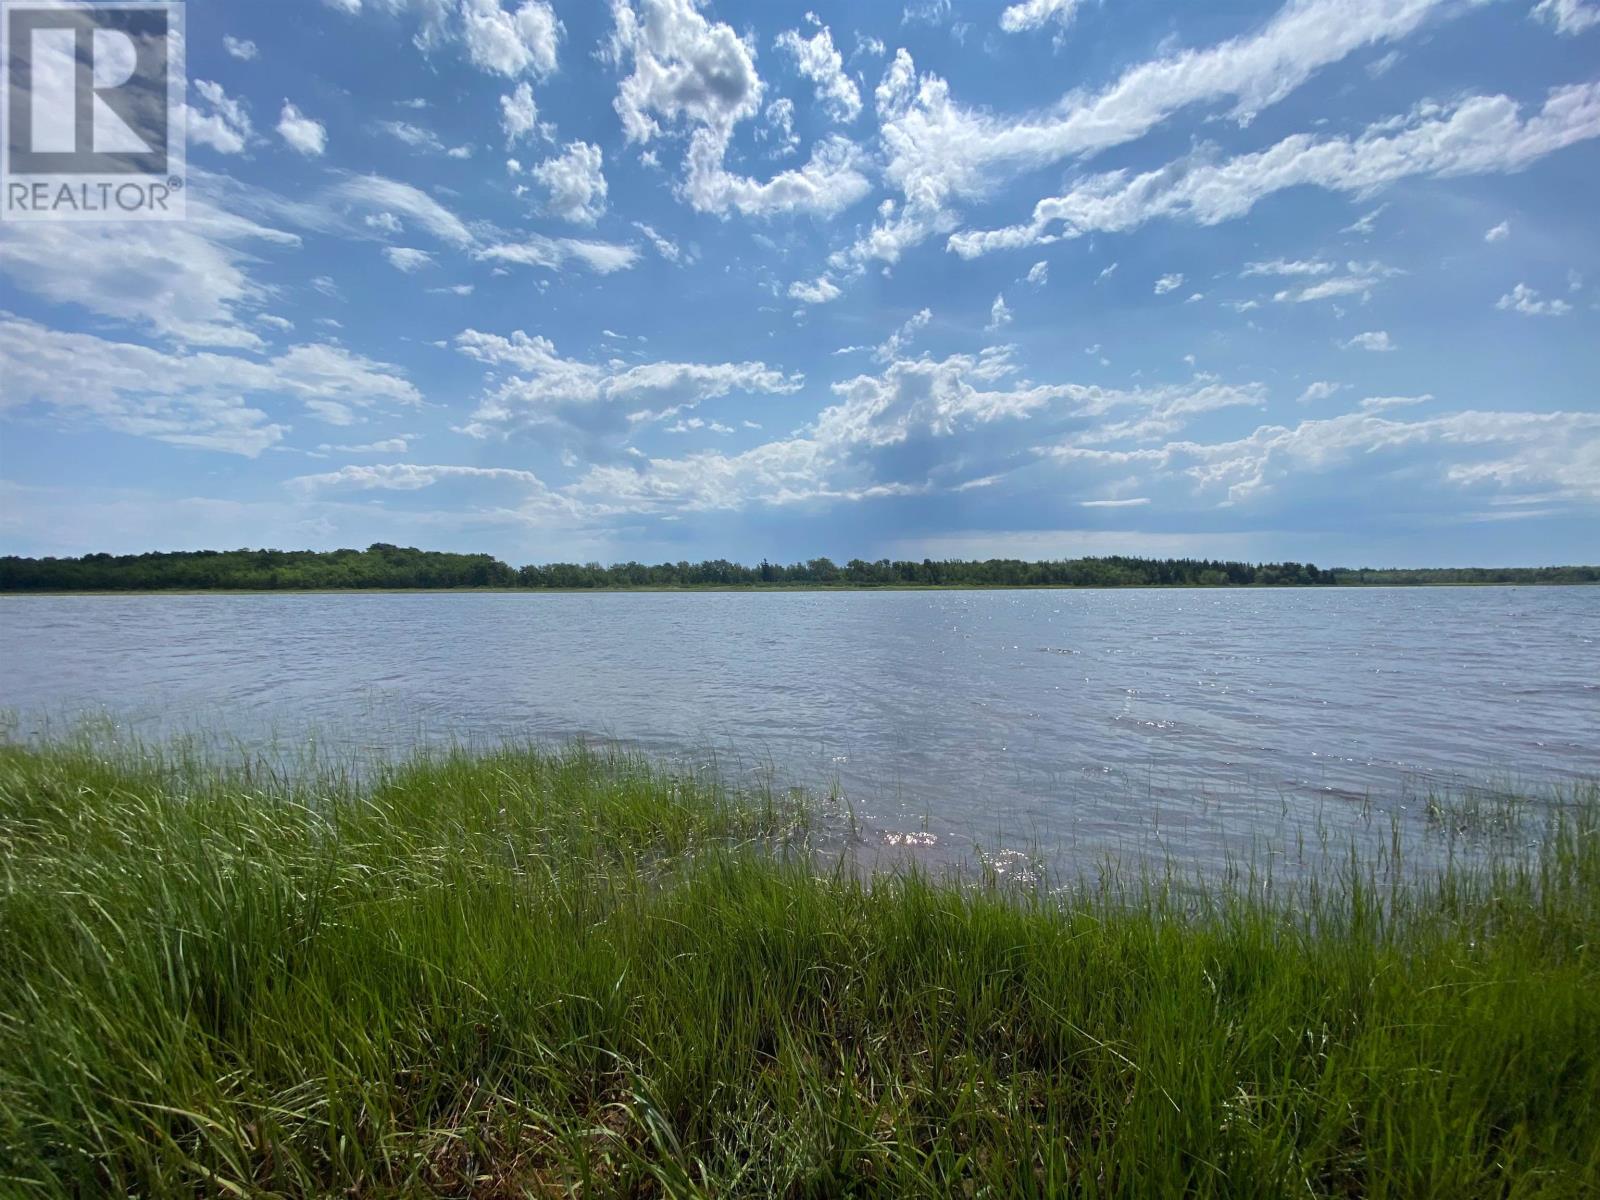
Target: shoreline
x=799 y=587
x=529 y=972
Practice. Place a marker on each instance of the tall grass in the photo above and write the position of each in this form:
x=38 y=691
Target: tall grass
x=529 y=973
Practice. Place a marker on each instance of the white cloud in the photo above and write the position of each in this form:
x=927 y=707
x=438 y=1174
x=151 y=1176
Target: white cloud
x=1478 y=135
x=930 y=12
x=938 y=151
x=1570 y=17
x=597 y=402
x=819 y=291
x=831 y=181
x=381 y=194
x=894 y=346
x=1031 y=14
x=187 y=281
x=665 y=246
x=575 y=182
x=395 y=445
x=685 y=68
x=1284 y=267
x=552 y=254
x=511 y=43
x=999 y=314
x=186 y=399
x=817 y=60
x=689 y=73
x=1377 y=340
x=1499 y=233
x=1380 y=403
x=1039 y=274
x=778 y=127
x=1132 y=502
x=1106 y=274
x=1557 y=451
x=223 y=124
x=241 y=48
x=966 y=420
x=1168 y=283
x=406 y=477
x=303 y=134
x=868 y=46
x=407 y=259
x=383 y=222
x=1320 y=390
x=1359 y=280
x=519 y=115
x=411 y=135
x=1364 y=225
x=1525 y=300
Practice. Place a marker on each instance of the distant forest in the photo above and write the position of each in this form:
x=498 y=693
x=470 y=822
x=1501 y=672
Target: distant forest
x=385 y=566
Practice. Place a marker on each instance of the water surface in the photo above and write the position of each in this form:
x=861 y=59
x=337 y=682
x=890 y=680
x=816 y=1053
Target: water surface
x=1063 y=722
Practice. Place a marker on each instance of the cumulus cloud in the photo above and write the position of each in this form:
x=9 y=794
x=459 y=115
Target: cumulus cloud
x=1377 y=340
x=222 y=122
x=689 y=74
x=1477 y=135
x=1499 y=233
x=1520 y=451
x=519 y=115
x=241 y=48
x=1168 y=283
x=597 y=403
x=1039 y=274
x=1031 y=14
x=510 y=43
x=303 y=134
x=919 y=426
x=817 y=60
x=999 y=314
x=407 y=259
x=831 y=181
x=575 y=183
x=1525 y=300
x=684 y=69
x=895 y=345
x=817 y=291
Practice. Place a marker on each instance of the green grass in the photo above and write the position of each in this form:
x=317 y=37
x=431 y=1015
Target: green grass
x=524 y=973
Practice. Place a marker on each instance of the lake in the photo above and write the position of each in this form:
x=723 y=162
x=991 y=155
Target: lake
x=1062 y=724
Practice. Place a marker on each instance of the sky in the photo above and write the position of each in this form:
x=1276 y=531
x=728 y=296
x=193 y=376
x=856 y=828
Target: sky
x=661 y=280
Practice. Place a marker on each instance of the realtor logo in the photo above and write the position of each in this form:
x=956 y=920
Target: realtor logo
x=92 y=111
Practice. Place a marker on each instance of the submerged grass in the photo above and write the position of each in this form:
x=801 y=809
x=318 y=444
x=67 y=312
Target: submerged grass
x=531 y=973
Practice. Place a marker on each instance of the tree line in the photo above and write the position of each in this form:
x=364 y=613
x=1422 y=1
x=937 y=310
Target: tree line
x=385 y=566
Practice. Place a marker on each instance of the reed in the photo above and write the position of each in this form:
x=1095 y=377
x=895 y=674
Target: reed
x=531 y=972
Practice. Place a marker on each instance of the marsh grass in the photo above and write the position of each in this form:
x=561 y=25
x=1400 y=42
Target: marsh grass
x=527 y=972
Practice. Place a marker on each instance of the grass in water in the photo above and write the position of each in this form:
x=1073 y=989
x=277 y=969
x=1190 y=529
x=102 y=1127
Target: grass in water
x=532 y=973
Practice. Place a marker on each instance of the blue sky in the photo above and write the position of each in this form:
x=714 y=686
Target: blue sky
x=660 y=280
